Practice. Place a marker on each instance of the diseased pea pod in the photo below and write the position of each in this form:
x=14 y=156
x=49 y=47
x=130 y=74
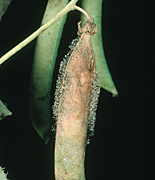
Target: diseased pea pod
x=42 y=70
x=75 y=101
x=94 y=8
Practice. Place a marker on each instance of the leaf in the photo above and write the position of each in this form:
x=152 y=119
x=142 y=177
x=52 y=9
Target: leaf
x=3 y=7
x=4 y=111
x=94 y=8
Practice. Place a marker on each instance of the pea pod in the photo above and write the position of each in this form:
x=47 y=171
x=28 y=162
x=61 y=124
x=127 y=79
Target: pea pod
x=42 y=70
x=94 y=8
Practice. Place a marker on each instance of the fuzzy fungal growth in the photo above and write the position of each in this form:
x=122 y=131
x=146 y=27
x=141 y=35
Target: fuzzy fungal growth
x=93 y=106
x=59 y=82
x=76 y=97
x=2 y=174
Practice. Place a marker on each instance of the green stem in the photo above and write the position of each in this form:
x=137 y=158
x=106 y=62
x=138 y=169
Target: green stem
x=64 y=11
x=83 y=11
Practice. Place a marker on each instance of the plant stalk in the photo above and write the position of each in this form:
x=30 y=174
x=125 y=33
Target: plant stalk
x=65 y=10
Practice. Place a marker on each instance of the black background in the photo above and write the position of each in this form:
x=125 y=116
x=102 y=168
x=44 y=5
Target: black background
x=117 y=150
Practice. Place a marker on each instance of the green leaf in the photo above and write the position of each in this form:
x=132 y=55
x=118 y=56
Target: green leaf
x=4 y=112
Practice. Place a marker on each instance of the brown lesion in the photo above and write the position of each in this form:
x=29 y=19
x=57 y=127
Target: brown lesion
x=91 y=62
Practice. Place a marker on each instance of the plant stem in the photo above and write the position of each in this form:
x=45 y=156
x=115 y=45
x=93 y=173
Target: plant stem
x=65 y=10
x=83 y=11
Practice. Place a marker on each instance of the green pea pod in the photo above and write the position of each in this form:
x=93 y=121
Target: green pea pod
x=42 y=70
x=94 y=8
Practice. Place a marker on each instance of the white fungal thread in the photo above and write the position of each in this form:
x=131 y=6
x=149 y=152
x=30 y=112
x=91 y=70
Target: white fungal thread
x=93 y=106
x=3 y=175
